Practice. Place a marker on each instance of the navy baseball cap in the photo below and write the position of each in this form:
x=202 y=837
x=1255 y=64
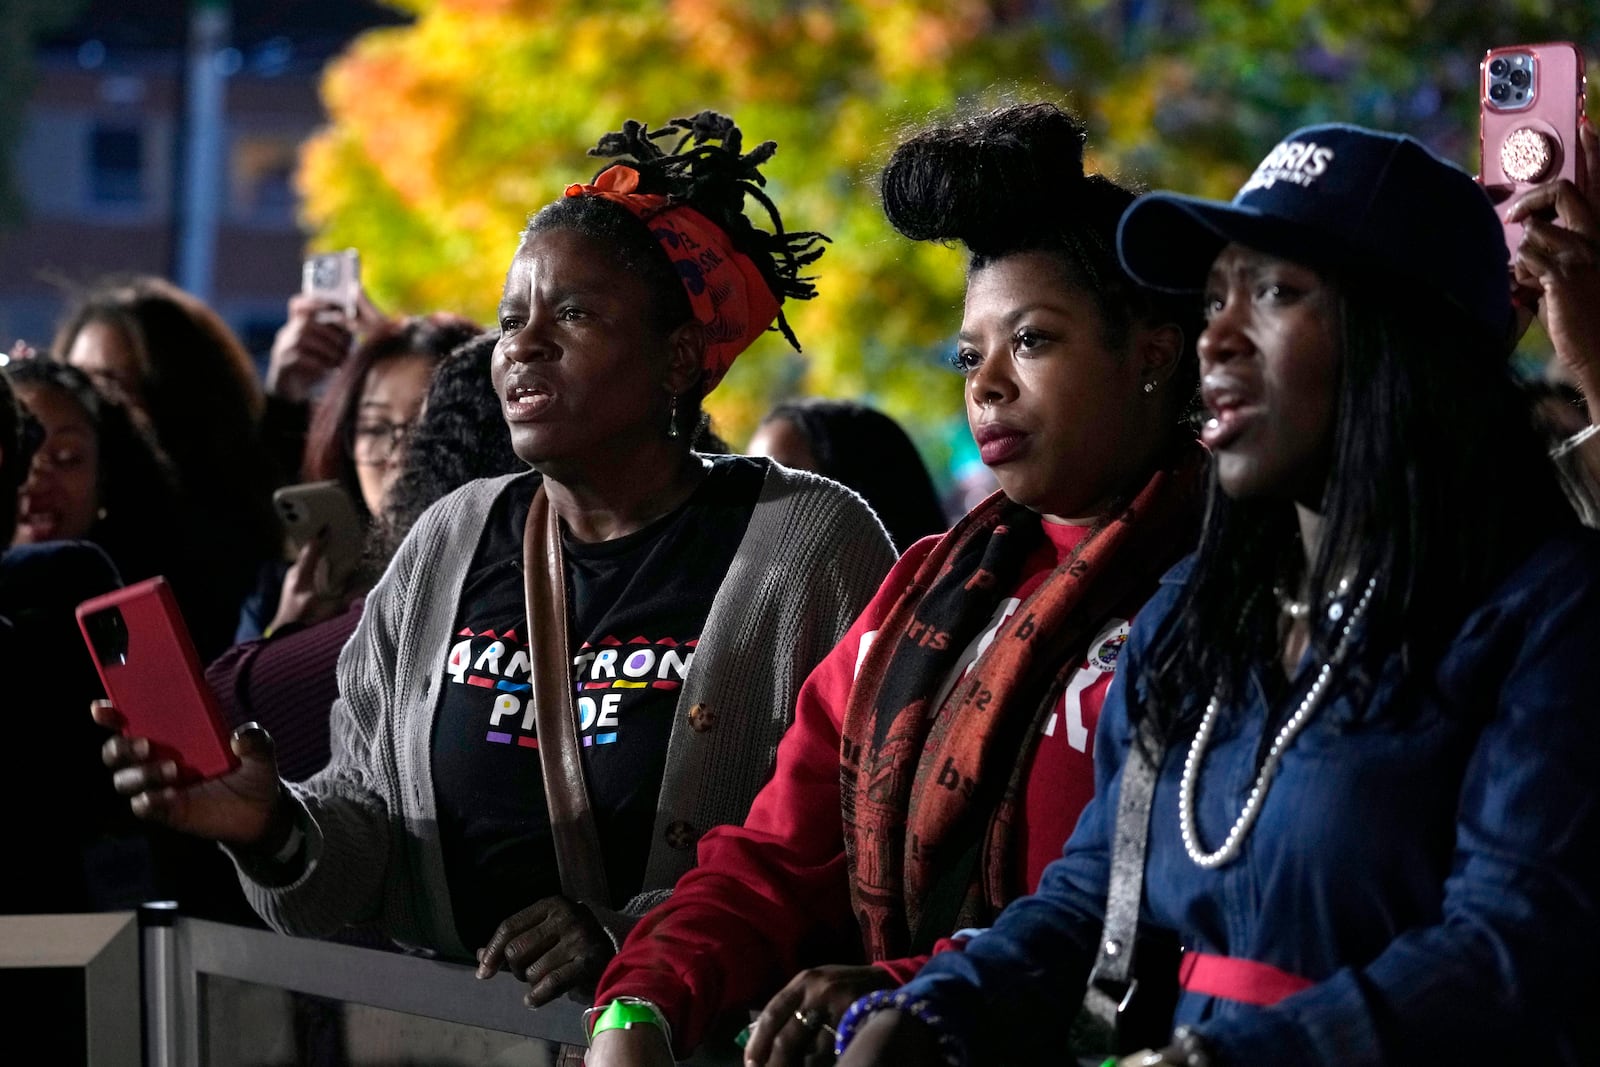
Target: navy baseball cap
x=1337 y=196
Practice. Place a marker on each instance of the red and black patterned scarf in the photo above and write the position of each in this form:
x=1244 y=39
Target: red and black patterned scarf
x=920 y=784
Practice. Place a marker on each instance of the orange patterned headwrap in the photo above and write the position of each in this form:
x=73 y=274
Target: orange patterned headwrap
x=729 y=296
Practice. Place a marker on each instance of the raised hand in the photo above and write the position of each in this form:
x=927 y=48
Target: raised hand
x=308 y=348
x=1559 y=256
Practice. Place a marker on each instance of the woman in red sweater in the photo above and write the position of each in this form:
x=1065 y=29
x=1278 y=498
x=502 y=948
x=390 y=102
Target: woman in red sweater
x=951 y=731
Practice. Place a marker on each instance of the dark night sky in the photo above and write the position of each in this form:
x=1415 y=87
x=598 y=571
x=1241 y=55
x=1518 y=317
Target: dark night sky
x=315 y=29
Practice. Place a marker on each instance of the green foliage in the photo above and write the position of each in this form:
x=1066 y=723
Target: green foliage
x=448 y=133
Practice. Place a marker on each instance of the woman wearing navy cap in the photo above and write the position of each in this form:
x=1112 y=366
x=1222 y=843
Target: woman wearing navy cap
x=1352 y=751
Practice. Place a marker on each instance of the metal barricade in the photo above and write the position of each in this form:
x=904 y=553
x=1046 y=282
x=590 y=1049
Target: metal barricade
x=185 y=960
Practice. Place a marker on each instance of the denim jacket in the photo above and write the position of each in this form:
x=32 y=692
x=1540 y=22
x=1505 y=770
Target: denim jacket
x=1436 y=875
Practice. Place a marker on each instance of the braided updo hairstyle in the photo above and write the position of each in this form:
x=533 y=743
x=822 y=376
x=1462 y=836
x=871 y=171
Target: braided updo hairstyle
x=1010 y=181
x=706 y=169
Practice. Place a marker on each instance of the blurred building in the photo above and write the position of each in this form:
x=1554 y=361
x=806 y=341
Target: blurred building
x=110 y=128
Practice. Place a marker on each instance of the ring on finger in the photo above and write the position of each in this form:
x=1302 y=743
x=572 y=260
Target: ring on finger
x=815 y=1019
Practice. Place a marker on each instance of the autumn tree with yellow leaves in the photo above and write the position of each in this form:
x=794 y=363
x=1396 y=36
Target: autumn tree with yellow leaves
x=447 y=133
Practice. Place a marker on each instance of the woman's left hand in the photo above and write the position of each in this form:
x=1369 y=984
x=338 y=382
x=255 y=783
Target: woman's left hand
x=303 y=599
x=555 y=946
x=1559 y=256
x=818 y=996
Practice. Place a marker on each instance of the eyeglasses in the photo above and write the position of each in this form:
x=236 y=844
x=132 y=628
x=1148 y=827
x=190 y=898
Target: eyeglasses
x=380 y=441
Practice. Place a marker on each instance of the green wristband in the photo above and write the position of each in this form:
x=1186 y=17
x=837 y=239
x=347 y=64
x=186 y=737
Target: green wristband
x=625 y=1013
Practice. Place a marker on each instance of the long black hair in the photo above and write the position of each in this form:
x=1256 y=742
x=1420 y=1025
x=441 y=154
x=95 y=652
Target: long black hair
x=202 y=401
x=866 y=450
x=14 y=459
x=136 y=489
x=1438 y=484
x=1010 y=181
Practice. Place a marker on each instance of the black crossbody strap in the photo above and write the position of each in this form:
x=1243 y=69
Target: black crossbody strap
x=1111 y=984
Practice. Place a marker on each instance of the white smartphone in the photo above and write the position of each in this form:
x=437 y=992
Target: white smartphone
x=334 y=276
x=310 y=507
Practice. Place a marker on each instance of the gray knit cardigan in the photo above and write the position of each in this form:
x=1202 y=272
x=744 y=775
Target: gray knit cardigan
x=812 y=556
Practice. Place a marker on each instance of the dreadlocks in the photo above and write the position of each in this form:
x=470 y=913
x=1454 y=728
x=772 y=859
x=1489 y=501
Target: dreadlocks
x=705 y=169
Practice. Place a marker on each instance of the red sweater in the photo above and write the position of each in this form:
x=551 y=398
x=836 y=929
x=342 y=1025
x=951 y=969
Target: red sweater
x=773 y=895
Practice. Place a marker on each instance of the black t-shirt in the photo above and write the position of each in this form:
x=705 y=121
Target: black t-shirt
x=637 y=605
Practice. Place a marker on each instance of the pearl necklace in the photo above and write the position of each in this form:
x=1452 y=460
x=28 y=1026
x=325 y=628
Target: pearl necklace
x=1295 y=610
x=1229 y=849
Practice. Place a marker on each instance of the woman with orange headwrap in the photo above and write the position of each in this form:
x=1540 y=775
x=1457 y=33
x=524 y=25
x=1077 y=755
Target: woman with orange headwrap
x=626 y=302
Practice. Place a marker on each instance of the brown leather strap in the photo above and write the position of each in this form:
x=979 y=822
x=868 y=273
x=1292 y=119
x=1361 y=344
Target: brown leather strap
x=578 y=856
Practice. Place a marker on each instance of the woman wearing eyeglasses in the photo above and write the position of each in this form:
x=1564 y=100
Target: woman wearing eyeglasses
x=358 y=429
x=285 y=679
x=356 y=438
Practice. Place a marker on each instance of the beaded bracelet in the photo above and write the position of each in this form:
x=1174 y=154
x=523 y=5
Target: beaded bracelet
x=955 y=1055
x=1195 y=1050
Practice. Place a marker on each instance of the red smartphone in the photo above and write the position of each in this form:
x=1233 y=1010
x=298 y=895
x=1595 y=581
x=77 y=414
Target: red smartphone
x=1530 y=105
x=148 y=665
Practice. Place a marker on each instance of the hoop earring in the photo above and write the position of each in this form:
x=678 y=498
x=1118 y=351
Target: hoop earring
x=672 y=417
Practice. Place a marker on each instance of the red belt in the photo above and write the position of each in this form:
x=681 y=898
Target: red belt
x=1231 y=978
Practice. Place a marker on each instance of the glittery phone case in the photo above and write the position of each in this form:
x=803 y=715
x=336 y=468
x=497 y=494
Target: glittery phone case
x=1528 y=124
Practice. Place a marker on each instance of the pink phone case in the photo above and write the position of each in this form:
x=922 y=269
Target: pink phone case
x=149 y=667
x=1528 y=142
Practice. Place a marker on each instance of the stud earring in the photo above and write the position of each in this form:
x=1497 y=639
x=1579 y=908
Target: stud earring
x=1149 y=387
x=672 y=417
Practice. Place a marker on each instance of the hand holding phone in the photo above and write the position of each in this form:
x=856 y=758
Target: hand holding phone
x=241 y=807
x=174 y=757
x=147 y=663
x=1530 y=107
x=323 y=512
x=1557 y=263
x=308 y=349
